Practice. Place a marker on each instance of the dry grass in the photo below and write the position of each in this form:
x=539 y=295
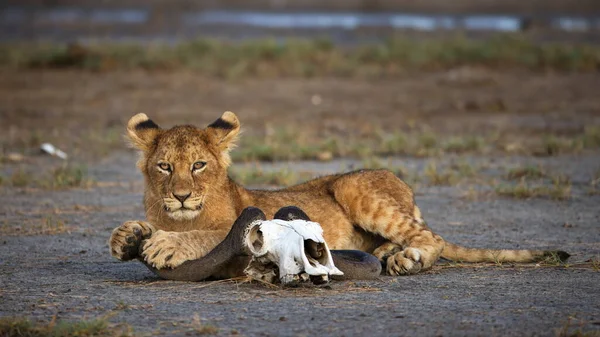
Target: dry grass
x=594 y=182
x=466 y=144
x=552 y=145
x=200 y=328
x=23 y=327
x=292 y=143
x=68 y=176
x=58 y=177
x=437 y=177
x=48 y=225
x=258 y=176
x=286 y=144
x=297 y=144
x=559 y=189
x=529 y=172
x=450 y=175
x=20 y=178
x=577 y=328
x=595 y=263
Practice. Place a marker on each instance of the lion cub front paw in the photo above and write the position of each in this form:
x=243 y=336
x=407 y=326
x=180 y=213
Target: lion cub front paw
x=167 y=250
x=407 y=261
x=125 y=240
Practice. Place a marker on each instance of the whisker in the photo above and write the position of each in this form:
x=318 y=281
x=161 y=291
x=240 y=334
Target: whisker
x=153 y=205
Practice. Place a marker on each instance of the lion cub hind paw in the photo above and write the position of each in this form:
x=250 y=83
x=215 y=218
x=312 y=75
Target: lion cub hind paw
x=405 y=262
x=165 y=250
x=125 y=240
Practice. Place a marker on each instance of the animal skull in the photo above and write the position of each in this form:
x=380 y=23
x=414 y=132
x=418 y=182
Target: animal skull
x=291 y=250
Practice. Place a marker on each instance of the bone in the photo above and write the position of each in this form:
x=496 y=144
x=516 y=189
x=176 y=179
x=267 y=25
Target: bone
x=291 y=249
x=355 y=264
x=230 y=253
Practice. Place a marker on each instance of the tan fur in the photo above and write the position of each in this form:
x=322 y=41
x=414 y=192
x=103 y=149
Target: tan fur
x=369 y=210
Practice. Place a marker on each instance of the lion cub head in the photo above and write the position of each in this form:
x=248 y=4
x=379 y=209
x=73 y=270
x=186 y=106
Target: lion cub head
x=183 y=165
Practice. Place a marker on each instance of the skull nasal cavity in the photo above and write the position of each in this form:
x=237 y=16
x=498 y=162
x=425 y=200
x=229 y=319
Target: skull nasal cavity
x=182 y=196
x=256 y=238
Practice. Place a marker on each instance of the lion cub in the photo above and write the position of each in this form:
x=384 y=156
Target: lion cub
x=191 y=204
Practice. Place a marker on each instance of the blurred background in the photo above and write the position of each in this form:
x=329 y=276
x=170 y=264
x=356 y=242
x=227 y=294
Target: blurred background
x=348 y=22
x=489 y=109
x=310 y=80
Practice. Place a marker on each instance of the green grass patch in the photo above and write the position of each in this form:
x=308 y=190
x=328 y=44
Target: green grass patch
x=285 y=144
x=595 y=183
x=48 y=225
x=552 y=145
x=472 y=144
x=450 y=175
x=529 y=172
x=438 y=177
x=20 y=178
x=61 y=177
x=22 y=327
x=308 y=58
x=464 y=169
x=577 y=328
x=296 y=144
x=559 y=189
x=590 y=139
x=68 y=176
x=393 y=143
x=258 y=176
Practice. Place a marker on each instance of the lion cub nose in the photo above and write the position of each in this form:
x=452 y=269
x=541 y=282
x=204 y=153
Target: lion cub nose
x=182 y=196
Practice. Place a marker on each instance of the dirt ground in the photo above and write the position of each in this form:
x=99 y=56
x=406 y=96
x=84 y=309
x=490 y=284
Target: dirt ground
x=54 y=261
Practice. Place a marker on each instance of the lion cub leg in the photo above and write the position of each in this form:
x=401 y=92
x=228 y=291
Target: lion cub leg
x=421 y=253
x=412 y=248
x=382 y=204
x=125 y=240
x=170 y=249
x=396 y=260
x=386 y=250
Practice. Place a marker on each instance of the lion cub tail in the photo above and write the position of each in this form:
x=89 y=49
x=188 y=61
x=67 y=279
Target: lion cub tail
x=463 y=254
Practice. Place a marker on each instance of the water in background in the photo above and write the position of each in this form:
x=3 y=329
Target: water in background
x=50 y=22
x=394 y=20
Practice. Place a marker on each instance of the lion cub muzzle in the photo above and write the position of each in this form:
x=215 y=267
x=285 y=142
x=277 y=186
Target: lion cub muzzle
x=183 y=206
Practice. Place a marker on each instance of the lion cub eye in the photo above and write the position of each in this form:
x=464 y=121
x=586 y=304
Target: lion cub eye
x=165 y=167
x=198 y=165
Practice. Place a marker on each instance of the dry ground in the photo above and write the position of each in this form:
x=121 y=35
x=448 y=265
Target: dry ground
x=69 y=107
x=53 y=229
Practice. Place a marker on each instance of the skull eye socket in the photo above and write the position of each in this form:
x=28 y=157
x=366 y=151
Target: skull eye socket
x=316 y=250
x=164 y=166
x=198 y=165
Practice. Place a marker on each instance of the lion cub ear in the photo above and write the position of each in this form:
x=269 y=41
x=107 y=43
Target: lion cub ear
x=142 y=131
x=223 y=133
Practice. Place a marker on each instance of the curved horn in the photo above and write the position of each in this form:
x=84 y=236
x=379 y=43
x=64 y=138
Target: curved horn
x=289 y=213
x=356 y=264
x=226 y=251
